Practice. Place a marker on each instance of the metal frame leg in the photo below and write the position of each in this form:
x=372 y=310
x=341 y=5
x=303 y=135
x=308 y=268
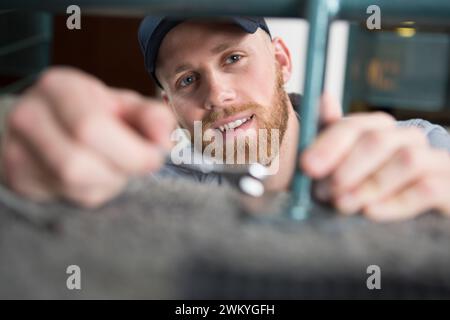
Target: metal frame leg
x=319 y=16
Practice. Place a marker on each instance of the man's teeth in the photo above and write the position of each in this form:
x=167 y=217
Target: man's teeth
x=233 y=124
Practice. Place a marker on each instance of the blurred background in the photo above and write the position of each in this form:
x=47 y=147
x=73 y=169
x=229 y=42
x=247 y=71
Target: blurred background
x=403 y=69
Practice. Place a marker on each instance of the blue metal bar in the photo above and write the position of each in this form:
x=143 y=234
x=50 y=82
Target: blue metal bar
x=34 y=44
x=286 y=8
x=431 y=11
x=320 y=13
x=25 y=43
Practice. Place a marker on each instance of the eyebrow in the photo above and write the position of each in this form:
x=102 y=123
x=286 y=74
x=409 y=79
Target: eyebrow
x=218 y=49
x=182 y=68
x=221 y=47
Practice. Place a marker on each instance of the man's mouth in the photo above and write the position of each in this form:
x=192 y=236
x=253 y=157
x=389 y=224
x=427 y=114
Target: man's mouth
x=235 y=124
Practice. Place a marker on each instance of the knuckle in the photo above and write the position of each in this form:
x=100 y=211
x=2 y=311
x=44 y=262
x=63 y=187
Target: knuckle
x=373 y=137
x=409 y=158
x=71 y=173
x=159 y=116
x=49 y=79
x=385 y=117
x=63 y=78
x=86 y=127
x=21 y=119
x=127 y=95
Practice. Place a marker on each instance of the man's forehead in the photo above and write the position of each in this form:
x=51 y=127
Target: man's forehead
x=190 y=37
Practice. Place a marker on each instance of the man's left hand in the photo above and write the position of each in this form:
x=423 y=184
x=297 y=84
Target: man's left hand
x=366 y=163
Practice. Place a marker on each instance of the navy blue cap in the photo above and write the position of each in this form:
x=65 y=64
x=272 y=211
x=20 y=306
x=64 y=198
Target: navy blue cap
x=153 y=30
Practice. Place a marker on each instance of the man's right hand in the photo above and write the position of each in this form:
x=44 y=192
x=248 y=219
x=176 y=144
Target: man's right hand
x=73 y=137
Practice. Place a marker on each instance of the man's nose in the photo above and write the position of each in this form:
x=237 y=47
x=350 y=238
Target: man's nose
x=220 y=92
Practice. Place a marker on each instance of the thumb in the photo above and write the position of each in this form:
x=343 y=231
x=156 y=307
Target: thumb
x=330 y=109
x=156 y=122
x=151 y=118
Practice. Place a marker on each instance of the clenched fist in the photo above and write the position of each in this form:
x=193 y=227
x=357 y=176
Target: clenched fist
x=71 y=136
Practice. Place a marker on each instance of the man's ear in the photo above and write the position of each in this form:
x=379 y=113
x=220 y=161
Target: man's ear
x=165 y=97
x=283 y=57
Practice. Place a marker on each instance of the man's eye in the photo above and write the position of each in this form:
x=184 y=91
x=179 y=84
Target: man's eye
x=186 y=81
x=233 y=58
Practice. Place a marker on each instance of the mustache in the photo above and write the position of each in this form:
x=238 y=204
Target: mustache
x=213 y=116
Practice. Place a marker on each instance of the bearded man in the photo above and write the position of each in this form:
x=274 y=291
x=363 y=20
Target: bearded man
x=227 y=74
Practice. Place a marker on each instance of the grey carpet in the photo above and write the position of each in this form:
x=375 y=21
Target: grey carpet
x=177 y=239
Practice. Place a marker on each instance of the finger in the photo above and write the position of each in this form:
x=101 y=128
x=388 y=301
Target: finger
x=84 y=109
x=330 y=109
x=24 y=174
x=322 y=189
x=150 y=117
x=407 y=164
x=76 y=170
x=370 y=151
x=95 y=193
x=320 y=159
x=425 y=194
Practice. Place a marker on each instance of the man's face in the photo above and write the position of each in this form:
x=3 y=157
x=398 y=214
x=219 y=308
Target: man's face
x=218 y=74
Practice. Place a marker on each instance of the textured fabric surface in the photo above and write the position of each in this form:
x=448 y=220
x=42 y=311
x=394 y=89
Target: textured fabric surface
x=177 y=239
x=181 y=239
